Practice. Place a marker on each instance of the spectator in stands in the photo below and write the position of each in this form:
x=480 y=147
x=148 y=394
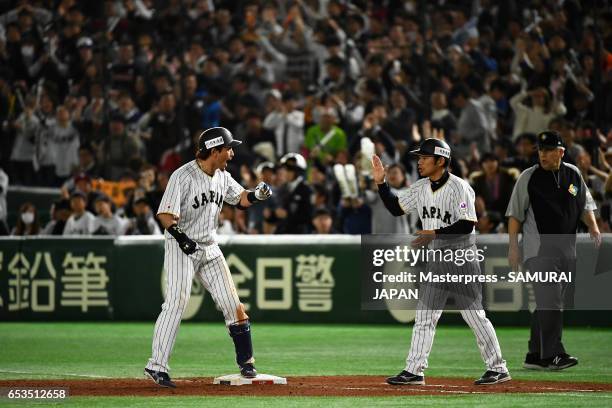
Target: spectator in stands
x=82 y=182
x=382 y=221
x=472 y=123
x=293 y=215
x=119 y=149
x=85 y=62
x=210 y=66
x=322 y=222
x=226 y=221
x=27 y=221
x=354 y=216
x=259 y=217
x=494 y=185
x=374 y=128
x=324 y=140
x=64 y=143
x=143 y=222
x=223 y=31
x=87 y=162
x=43 y=157
x=60 y=212
x=400 y=119
x=92 y=121
x=533 y=117
x=568 y=135
x=193 y=103
x=165 y=130
x=593 y=177
x=26 y=127
x=123 y=70
x=286 y=121
x=259 y=140
x=259 y=72
x=441 y=117
x=526 y=152
x=4 y=183
x=106 y=222
x=130 y=112
x=81 y=221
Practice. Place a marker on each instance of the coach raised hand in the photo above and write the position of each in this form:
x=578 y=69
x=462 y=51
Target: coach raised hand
x=445 y=204
x=434 y=159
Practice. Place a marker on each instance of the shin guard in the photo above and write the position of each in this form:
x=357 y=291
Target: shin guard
x=241 y=335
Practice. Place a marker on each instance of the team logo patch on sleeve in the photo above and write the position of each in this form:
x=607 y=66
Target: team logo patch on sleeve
x=463 y=208
x=573 y=190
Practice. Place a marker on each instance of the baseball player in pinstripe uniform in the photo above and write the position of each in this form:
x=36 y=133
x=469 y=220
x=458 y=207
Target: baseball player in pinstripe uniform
x=445 y=204
x=189 y=212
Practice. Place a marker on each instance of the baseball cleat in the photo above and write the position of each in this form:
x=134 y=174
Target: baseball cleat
x=561 y=362
x=248 y=370
x=160 y=378
x=492 y=377
x=406 y=378
x=534 y=362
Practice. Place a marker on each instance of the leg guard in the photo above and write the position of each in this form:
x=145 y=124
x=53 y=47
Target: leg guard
x=241 y=335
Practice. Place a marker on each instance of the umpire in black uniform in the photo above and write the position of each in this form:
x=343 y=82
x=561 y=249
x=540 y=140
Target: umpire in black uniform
x=548 y=201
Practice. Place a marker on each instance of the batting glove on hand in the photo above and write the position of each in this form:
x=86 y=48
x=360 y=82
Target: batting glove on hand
x=188 y=246
x=263 y=191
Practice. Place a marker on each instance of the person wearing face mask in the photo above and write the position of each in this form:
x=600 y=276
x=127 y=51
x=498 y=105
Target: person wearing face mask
x=27 y=223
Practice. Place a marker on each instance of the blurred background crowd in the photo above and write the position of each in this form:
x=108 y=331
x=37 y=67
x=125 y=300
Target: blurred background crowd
x=104 y=99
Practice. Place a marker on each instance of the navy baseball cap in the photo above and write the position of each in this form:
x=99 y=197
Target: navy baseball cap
x=549 y=139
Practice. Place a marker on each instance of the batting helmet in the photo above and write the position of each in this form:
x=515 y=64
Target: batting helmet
x=433 y=147
x=216 y=136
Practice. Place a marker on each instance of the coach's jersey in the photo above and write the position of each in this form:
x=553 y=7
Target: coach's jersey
x=197 y=198
x=451 y=202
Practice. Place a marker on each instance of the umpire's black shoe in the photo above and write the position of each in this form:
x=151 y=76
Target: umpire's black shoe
x=492 y=377
x=160 y=378
x=534 y=362
x=561 y=362
x=248 y=370
x=406 y=378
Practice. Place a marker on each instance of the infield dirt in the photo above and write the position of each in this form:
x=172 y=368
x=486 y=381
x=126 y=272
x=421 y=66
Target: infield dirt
x=349 y=386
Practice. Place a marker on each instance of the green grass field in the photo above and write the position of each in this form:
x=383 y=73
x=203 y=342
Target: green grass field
x=91 y=350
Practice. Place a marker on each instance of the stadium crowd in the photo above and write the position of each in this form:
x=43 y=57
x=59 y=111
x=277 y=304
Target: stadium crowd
x=105 y=99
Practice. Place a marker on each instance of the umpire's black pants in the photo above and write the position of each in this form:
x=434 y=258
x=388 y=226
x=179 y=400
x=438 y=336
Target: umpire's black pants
x=551 y=299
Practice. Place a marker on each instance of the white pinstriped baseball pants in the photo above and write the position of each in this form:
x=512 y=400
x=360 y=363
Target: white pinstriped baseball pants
x=213 y=274
x=430 y=308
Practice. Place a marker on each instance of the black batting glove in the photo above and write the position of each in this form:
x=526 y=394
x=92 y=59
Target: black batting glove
x=187 y=245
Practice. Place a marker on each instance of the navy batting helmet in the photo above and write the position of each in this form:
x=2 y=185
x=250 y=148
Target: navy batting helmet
x=216 y=136
x=433 y=147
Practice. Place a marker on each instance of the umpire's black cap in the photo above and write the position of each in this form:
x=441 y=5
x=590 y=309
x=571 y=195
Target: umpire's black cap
x=549 y=139
x=216 y=136
x=433 y=147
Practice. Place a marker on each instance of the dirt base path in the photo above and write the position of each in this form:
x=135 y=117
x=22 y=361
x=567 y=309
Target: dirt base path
x=353 y=386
